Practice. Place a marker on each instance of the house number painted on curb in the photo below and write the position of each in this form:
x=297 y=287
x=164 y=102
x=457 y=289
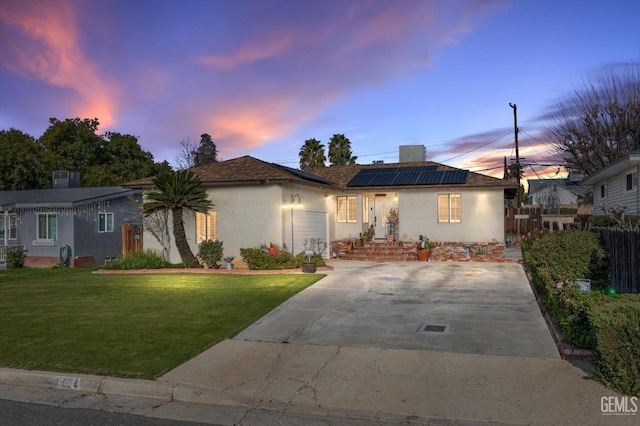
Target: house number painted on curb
x=69 y=382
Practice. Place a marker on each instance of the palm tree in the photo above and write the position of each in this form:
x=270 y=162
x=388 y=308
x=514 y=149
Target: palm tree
x=340 y=151
x=312 y=155
x=178 y=191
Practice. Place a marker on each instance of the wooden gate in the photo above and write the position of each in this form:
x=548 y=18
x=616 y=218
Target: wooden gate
x=520 y=221
x=131 y=238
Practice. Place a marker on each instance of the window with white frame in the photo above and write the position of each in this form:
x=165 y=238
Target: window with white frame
x=347 y=209
x=10 y=227
x=449 y=208
x=47 y=226
x=206 y=226
x=13 y=226
x=105 y=222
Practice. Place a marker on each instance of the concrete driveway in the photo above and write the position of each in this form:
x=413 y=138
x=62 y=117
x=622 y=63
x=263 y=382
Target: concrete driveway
x=476 y=308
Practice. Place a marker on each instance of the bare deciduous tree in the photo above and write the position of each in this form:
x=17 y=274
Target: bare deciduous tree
x=600 y=123
x=187 y=156
x=158 y=225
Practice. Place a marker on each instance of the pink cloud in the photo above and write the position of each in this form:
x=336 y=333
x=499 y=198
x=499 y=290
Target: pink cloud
x=250 y=52
x=44 y=44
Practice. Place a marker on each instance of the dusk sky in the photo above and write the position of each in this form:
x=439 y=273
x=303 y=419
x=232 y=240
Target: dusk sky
x=262 y=76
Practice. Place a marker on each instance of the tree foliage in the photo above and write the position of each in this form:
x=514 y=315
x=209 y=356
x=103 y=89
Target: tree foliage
x=340 y=151
x=21 y=163
x=312 y=156
x=74 y=145
x=177 y=192
x=600 y=123
x=206 y=152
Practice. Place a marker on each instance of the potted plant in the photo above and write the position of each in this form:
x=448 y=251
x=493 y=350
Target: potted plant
x=314 y=249
x=309 y=267
x=424 y=248
x=393 y=215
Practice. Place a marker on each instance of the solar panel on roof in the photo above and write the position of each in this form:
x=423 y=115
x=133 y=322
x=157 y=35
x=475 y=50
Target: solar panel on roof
x=406 y=178
x=430 y=178
x=411 y=175
x=455 y=176
x=360 y=179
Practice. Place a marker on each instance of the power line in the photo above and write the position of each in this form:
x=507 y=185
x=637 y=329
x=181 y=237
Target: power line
x=477 y=148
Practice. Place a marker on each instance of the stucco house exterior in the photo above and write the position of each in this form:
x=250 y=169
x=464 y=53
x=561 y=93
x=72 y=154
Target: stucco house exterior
x=617 y=184
x=84 y=224
x=257 y=203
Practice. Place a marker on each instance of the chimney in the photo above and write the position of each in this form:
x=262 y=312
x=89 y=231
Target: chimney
x=66 y=179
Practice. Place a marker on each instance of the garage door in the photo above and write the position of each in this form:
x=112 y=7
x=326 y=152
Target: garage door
x=303 y=225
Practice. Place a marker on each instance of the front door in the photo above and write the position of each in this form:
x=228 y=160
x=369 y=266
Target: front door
x=381 y=206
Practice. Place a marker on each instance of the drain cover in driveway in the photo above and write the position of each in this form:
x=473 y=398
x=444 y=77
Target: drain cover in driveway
x=435 y=328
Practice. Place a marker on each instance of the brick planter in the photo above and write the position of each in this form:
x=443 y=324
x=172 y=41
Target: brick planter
x=401 y=251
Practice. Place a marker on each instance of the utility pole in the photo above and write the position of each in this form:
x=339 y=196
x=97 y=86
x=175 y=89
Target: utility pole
x=515 y=127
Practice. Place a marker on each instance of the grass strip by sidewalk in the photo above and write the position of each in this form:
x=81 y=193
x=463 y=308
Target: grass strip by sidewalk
x=137 y=326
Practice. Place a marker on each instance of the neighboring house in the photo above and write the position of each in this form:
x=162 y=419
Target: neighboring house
x=260 y=203
x=85 y=223
x=617 y=184
x=552 y=194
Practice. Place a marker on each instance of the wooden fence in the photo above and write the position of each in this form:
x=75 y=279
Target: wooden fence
x=624 y=257
x=520 y=221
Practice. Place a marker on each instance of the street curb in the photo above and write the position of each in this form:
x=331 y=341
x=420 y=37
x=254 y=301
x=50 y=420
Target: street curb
x=113 y=386
x=167 y=392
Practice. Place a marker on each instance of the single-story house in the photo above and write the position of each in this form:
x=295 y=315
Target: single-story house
x=81 y=226
x=617 y=184
x=552 y=194
x=257 y=203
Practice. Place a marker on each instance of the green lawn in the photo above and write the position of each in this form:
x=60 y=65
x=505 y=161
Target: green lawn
x=137 y=326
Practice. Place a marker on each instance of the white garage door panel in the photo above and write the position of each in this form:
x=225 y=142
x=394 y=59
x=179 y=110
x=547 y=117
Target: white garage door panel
x=306 y=225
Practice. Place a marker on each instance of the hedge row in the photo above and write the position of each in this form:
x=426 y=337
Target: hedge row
x=607 y=324
x=615 y=324
x=265 y=259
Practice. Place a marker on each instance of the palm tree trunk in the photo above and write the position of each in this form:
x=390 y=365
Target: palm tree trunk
x=181 y=239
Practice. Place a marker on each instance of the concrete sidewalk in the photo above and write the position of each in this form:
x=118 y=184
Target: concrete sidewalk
x=347 y=351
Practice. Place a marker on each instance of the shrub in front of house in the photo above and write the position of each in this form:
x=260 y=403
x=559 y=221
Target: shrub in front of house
x=210 y=253
x=140 y=259
x=271 y=257
x=265 y=259
x=555 y=260
x=615 y=324
x=609 y=325
x=15 y=257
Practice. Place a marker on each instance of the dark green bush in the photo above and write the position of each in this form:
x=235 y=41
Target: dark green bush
x=210 y=252
x=261 y=258
x=257 y=258
x=15 y=257
x=141 y=259
x=555 y=260
x=567 y=255
x=615 y=324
